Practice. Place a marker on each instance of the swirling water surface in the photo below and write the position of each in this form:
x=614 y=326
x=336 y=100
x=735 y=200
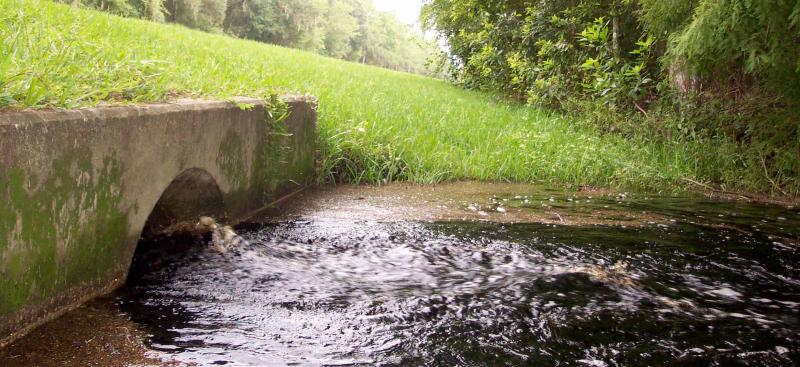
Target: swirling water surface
x=706 y=284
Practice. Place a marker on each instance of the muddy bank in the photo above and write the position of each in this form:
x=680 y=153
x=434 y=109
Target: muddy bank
x=465 y=201
x=524 y=203
x=95 y=334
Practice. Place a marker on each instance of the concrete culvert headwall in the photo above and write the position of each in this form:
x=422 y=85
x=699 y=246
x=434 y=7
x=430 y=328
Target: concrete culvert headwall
x=78 y=189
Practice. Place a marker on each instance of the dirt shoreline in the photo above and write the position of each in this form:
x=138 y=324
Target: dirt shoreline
x=92 y=335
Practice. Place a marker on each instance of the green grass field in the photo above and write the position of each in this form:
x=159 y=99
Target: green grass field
x=375 y=124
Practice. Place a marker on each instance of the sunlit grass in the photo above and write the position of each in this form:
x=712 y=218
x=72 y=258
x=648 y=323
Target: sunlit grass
x=374 y=124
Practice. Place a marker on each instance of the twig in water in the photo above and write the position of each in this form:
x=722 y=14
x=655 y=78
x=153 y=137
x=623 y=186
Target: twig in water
x=719 y=191
x=766 y=173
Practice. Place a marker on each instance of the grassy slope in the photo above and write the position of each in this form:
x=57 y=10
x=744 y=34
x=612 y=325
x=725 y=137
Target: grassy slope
x=374 y=123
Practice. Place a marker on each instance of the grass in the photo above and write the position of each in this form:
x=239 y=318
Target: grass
x=375 y=125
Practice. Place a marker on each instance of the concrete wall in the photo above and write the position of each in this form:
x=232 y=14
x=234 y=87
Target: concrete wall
x=77 y=187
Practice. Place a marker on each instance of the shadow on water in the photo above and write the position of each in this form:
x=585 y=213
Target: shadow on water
x=707 y=283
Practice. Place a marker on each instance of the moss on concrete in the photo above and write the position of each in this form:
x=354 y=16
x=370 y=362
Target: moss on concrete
x=64 y=230
x=305 y=154
x=231 y=159
x=271 y=167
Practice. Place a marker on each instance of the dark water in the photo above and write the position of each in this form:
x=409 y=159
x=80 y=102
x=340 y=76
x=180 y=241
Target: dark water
x=704 y=283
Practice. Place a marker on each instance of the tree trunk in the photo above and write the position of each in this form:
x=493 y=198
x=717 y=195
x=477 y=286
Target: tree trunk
x=615 y=33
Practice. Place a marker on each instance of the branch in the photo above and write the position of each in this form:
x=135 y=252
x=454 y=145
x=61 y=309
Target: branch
x=766 y=173
x=641 y=109
x=719 y=191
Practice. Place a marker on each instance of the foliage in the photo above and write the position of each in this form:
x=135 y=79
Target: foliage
x=207 y=15
x=689 y=69
x=760 y=37
x=374 y=124
x=547 y=49
x=544 y=50
x=346 y=29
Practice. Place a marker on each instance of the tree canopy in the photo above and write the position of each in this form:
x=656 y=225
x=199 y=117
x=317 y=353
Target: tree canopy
x=619 y=50
x=346 y=29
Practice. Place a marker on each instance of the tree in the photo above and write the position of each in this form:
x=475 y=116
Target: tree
x=208 y=15
x=545 y=50
x=341 y=27
x=345 y=29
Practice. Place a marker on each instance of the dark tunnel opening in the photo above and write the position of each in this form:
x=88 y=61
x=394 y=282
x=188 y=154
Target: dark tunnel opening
x=170 y=230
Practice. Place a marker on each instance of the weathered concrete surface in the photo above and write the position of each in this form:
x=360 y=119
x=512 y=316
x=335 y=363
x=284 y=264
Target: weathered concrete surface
x=77 y=188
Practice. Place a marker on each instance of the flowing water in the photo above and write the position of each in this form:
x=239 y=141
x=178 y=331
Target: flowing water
x=683 y=282
x=491 y=277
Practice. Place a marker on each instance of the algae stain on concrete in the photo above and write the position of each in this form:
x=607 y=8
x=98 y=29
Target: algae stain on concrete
x=271 y=166
x=231 y=159
x=305 y=157
x=61 y=231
